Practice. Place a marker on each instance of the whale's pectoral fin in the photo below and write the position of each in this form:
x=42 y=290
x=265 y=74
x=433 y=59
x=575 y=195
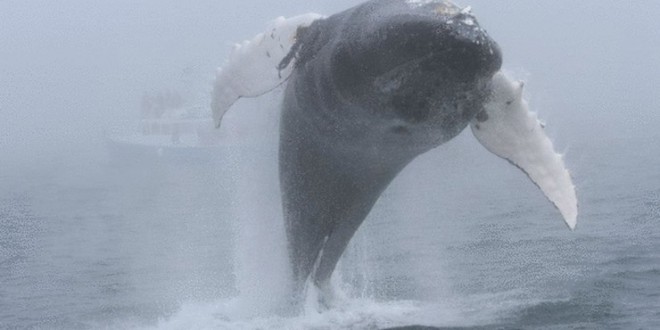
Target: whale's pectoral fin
x=508 y=129
x=254 y=67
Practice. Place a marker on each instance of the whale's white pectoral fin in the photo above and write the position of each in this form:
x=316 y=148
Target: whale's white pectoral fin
x=508 y=129
x=253 y=66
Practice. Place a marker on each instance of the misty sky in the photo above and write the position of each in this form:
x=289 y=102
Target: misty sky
x=70 y=69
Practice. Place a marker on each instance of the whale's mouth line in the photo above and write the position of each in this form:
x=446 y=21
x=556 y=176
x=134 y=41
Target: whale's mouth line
x=393 y=79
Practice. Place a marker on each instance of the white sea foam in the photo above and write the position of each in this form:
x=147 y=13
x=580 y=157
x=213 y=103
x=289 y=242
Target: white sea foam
x=352 y=314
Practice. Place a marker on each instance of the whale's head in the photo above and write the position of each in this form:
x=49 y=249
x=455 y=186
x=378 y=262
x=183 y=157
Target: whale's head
x=423 y=67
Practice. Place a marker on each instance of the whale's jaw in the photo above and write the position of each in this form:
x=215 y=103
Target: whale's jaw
x=420 y=73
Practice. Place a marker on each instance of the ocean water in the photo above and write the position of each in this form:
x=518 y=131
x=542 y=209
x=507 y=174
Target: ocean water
x=459 y=240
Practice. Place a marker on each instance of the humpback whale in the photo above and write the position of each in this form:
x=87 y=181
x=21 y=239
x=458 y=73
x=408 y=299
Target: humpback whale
x=369 y=89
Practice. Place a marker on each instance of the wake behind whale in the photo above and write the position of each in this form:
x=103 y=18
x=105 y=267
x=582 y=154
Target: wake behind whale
x=367 y=91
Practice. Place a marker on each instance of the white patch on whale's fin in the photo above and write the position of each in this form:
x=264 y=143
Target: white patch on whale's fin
x=508 y=129
x=253 y=66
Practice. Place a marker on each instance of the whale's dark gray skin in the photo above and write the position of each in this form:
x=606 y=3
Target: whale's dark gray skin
x=373 y=87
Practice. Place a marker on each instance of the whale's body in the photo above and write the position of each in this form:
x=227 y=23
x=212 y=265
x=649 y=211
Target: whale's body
x=368 y=90
x=363 y=101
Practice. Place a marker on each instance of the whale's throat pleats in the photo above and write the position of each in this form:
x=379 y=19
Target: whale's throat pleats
x=329 y=188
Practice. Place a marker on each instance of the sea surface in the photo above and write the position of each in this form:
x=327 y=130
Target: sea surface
x=97 y=240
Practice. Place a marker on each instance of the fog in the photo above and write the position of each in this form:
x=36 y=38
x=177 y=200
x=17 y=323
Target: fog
x=73 y=71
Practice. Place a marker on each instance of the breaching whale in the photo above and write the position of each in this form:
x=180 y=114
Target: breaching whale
x=367 y=91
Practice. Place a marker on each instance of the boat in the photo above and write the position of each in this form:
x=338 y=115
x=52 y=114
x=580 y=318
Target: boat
x=167 y=129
